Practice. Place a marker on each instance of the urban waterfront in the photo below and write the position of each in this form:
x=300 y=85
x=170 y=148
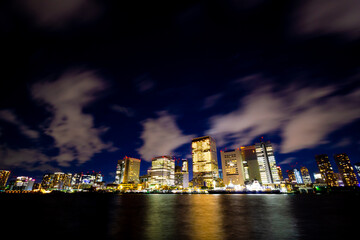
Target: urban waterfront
x=175 y=216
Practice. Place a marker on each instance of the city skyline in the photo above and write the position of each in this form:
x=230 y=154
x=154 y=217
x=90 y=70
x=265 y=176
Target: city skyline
x=81 y=91
x=241 y=166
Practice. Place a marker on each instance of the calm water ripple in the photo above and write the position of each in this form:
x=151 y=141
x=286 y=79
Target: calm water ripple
x=166 y=216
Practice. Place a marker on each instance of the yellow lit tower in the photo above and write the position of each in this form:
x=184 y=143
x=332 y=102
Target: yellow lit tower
x=326 y=170
x=205 y=164
x=127 y=170
x=346 y=170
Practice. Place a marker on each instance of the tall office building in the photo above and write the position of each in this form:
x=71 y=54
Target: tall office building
x=326 y=170
x=305 y=175
x=267 y=164
x=251 y=165
x=205 y=165
x=127 y=170
x=232 y=166
x=162 y=171
x=4 y=176
x=346 y=170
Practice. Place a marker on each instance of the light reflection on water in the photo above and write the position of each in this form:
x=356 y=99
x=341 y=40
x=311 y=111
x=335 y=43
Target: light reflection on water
x=203 y=217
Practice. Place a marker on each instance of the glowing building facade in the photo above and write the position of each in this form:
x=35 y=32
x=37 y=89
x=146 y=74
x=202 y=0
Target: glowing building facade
x=326 y=170
x=22 y=183
x=346 y=170
x=232 y=166
x=57 y=180
x=162 y=171
x=205 y=165
x=267 y=164
x=4 y=176
x=128 y=170
x=305 y=175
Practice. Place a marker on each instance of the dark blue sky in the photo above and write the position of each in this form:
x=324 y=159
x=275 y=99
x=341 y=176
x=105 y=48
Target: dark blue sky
x=85 y=83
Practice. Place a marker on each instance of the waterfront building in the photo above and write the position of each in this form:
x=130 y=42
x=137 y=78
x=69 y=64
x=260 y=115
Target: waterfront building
x=162 y=171
x=291 y=176
x=346 y=171
x=56 y=181
x=267 y=163
x=305 y=175
x=251 y=165
x=22 y=183
x=298 y=177
x=318 y=178
x=185 y=173
x=4 y=176
x=326 y=170
x=232 y=166
x=205 y=164
x=128 y=170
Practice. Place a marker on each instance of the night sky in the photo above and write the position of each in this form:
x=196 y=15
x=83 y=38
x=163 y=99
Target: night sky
x=85 y=83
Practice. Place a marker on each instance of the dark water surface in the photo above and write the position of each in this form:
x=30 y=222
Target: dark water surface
x=157 y=216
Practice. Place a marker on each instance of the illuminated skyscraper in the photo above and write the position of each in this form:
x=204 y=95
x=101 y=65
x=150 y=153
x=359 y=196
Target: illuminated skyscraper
x=305 y=175
x=346 y=170
x=298 y=177
x=4 y=176
x=127 y=170
x=326 y=170
x=162 y=171
x=232 y=166
x=267 y=164
x=205 y=166
x=251 y=165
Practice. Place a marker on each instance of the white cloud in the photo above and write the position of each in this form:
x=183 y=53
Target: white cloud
x=328 y=17
x=211 y=100
x=9 y=116
x=161 y=136
x=287 y=161
x=60 y=13
x=304 y=116
x=25 y=158
x=124 y=110
x=73 y=131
